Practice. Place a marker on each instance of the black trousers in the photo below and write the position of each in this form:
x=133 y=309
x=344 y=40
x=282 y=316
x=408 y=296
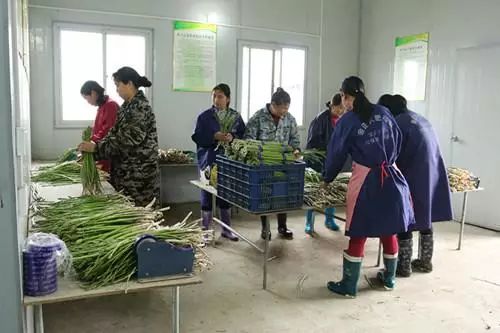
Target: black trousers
x=281 y=221
x=409 y=234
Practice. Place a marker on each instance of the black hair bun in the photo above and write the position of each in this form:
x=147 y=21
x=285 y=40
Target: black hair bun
x=144 y=82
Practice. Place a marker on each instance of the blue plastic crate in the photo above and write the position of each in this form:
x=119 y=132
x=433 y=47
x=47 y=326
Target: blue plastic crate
x=261 y=188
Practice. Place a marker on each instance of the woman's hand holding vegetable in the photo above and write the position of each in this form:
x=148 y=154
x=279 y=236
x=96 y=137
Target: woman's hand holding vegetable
x=219 y=136
x=223 y=137
x=88 y=147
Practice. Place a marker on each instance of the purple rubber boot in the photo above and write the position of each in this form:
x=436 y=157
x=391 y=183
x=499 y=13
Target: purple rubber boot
x=225 y=216
x=206 y=221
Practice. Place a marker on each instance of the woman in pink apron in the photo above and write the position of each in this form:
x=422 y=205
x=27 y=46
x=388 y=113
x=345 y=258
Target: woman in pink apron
x=378 y=197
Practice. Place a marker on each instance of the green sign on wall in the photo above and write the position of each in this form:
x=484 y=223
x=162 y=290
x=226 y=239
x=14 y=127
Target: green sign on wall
x=410 y=66
x=195 y=46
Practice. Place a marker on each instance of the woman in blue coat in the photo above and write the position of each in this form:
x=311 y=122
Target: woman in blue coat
x=422 y=165
x=378 y=197
x=208 y=138
x=319 y=134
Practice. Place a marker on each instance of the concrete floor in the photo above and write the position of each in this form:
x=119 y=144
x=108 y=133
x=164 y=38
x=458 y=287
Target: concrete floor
x=461 y=295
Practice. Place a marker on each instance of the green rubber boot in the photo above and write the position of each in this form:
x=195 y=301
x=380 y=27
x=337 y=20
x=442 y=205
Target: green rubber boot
x=348 y=286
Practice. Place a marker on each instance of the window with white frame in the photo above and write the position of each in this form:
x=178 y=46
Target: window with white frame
x=265 y=67
x=94 y=53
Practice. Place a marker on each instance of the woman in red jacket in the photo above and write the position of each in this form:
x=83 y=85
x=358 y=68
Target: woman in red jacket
x=105 y=118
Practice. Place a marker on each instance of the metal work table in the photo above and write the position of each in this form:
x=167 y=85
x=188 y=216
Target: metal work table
x=265 y=251
x=70 y=290
x=464 y=212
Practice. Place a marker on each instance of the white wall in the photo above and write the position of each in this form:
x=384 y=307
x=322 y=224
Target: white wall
x=452 y=24
x=340 y=45
x=293 y=22
x=10 y=288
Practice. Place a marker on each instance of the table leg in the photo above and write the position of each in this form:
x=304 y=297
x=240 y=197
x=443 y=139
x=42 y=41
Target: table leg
x=379 y=254
x=340 y=218
x=175 y=310
x=462 y=221
x=38 y=313
x=222 y=224
x=214 y=214
x=266 y=250
x=418 y=245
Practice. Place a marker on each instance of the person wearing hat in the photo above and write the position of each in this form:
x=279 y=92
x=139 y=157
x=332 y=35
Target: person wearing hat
x=319 y=134
x=422 y=165
x=378 y=197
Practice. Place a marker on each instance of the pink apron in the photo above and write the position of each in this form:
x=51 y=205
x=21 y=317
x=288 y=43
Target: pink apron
x=359 y=173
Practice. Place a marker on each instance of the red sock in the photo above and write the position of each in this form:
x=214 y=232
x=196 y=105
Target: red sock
x=356 y=247
x=390 y=244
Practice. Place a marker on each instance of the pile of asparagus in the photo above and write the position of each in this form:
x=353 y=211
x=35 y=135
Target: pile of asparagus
x=58 y=174
x=254 y=152
x=100 y=232
x=317 y=196
x=313 y=156
x=174 y=156
x=64 y=173
x=462 y=180
x=70 y=154
x=67 y=170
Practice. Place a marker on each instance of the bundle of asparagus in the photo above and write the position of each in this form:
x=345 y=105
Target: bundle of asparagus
x=70 y=154
x=91 y=180
x=227 y=122
x=174 y=156
x=462 y=180
x=313 y=156
x=254 y=152
x=317 y=196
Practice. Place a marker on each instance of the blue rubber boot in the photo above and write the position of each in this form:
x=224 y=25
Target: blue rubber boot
x=310 y=222
x=348 y=286
x=330 y=219
x=388 y=275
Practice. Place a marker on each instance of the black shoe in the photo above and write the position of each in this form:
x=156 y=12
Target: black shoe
x=285 y=233
x=263 y=235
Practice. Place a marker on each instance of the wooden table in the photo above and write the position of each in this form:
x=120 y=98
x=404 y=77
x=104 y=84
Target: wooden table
x=69 y=290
